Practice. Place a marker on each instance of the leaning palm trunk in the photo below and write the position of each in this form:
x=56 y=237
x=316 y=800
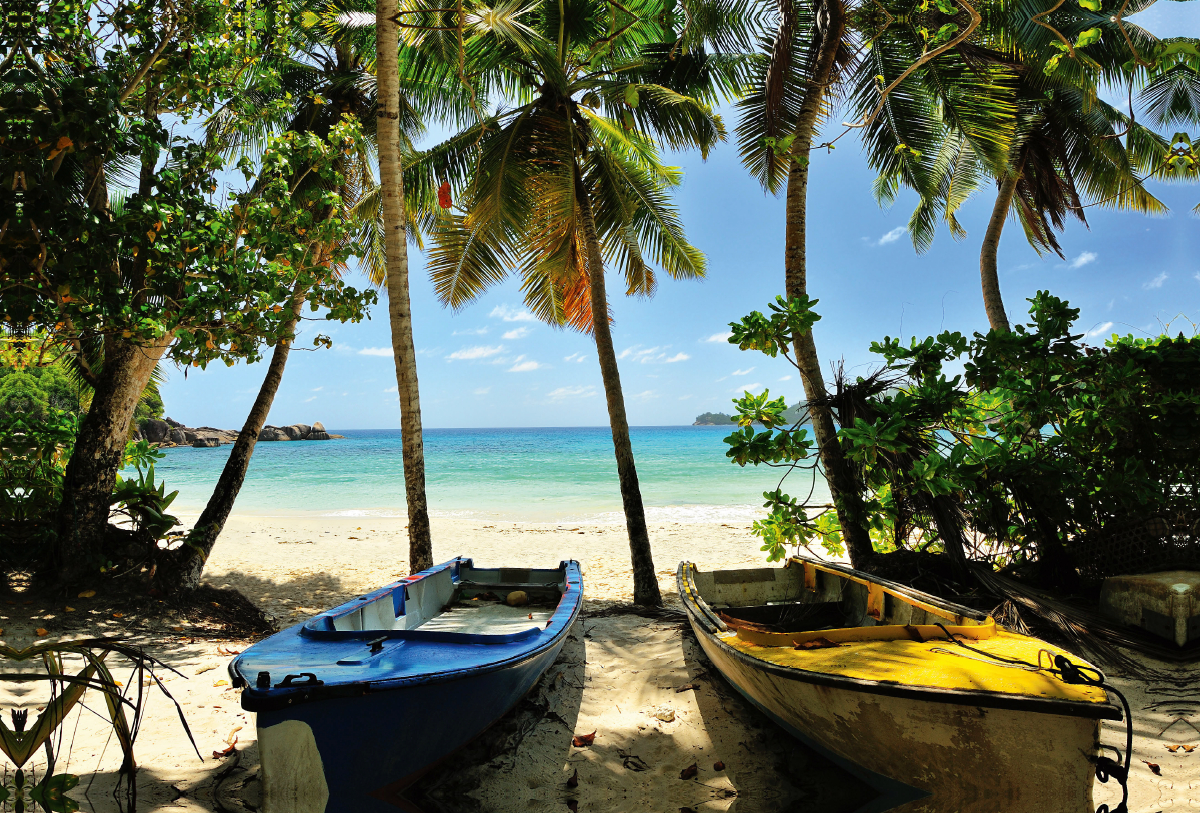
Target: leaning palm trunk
x=185 y=572
x=391 y=182
x=645 y=581
x=92 y=470
x=989 y=277
x=843 y=488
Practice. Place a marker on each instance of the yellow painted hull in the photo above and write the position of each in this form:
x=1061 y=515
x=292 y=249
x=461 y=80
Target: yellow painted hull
x=950 y=749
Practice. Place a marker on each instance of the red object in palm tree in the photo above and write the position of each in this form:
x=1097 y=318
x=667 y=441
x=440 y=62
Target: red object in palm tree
x=444 y=195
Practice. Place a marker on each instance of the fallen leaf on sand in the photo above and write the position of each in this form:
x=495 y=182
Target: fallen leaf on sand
x=1154 y=769
x=70 y=609
x=221 y=683
x=1187 y=748
x=86 y=594
x=718 y=766
x=232 y=738
x=223 y=651
x=573 y=782
x=687 y=686
x=226 y=751
x=583 y=740
x=118 y=615
x=41 y=632
x=204 y=669
x=690 y=771
x=177 y=629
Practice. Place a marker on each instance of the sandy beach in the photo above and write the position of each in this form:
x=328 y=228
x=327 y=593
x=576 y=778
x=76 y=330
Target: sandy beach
x=640 y=683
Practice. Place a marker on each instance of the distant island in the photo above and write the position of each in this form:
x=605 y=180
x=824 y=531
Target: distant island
x=713 y=419
x=721 y=419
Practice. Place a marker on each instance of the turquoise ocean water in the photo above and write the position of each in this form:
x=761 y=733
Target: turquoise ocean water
x=552 y=474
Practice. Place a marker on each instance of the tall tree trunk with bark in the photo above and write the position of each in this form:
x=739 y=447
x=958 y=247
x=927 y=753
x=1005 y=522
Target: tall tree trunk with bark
x=184 y=573
x=843 y=486
x=992 y=302
x=92 y=470
x=645 y=580
x=391 y=182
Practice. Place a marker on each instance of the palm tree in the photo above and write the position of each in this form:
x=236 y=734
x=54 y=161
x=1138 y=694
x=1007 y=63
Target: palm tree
x=894 y=74
x=391 y=183
x=330 y=79
x=1067 y=154
x=570 y=178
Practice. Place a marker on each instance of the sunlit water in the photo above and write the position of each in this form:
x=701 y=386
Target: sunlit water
x=552 y=474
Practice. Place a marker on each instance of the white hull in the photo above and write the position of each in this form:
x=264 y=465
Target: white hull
x=967 y=758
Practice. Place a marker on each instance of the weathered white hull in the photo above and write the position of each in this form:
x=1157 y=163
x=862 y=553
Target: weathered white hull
x=965 y=757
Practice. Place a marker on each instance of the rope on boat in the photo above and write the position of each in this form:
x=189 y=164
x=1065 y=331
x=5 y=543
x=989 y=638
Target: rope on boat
x=1072 y=673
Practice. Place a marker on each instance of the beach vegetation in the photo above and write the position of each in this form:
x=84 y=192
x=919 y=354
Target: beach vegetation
x=1042 y=448
x=569 y=177
x=117 y=245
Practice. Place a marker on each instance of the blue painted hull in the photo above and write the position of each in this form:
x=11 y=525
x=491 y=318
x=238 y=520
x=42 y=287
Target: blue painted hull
x=373 y=747
x=374 y=706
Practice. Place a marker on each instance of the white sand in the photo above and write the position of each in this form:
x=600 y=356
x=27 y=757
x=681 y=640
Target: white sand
x=615 y=673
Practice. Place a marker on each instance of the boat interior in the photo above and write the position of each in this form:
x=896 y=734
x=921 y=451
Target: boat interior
x=810 y=597
x=462 y=599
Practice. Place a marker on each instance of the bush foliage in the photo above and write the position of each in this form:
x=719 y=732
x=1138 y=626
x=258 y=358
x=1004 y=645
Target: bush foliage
x=1015 y=444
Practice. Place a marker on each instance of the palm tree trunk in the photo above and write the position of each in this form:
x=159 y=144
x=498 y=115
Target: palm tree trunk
x=645 y=580
x=184 y=573
x=391 y=181
x=992 y=302
x=843 y=486
x=91 y=473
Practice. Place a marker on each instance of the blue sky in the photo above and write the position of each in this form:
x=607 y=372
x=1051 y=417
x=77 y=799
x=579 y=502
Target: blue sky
x=492 y=365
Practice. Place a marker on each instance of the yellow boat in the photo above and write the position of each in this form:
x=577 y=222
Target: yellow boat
x=864 y=670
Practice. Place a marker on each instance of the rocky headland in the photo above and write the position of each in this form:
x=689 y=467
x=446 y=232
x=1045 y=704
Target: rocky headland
x=168 y=432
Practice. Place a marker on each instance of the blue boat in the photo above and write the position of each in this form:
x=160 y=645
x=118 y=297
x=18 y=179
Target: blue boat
x=358 y=702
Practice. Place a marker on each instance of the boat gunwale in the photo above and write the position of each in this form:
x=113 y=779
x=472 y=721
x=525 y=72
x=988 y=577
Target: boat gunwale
x=257 y=700
x=700 y=614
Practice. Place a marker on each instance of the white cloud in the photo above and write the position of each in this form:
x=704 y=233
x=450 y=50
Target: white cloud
x=483 y=390
x=718 y=337
x=395 y=389
x=313 y=398
x=562 y=393
x=1085 y=258
x=476 y=332
x=376 y=351
x=511 y=314
x=316 y=389
x=746 y=371
x=1100 y=330
x=892 y=236
x=479 y=352
x=1197 y=276
x=523 y=366
x=651 y=355
x=576 y=357
x=518 y=333
x=785 y=378
x=646 y=395
x=1157 y=282
x=685 y=398
x=746 y=388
